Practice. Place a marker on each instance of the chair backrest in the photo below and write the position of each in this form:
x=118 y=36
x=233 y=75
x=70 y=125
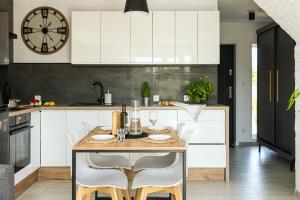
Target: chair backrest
x=82 y=162
x=86 y=128
x=177 y=165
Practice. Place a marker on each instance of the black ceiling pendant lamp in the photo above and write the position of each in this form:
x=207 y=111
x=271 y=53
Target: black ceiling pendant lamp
x=136 y=7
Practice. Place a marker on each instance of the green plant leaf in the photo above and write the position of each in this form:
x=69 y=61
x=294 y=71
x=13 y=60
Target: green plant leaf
x=295 y=95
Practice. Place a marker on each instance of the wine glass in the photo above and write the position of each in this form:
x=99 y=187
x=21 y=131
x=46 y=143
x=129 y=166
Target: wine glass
x=153 y=118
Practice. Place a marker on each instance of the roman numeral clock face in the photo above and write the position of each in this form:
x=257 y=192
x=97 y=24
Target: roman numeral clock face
x=45 y=30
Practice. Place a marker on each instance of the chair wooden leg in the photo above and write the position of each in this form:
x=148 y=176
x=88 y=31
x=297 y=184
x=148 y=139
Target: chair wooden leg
x=80 y=193
x=177 y=193
x=89 y=196
x=143 y=194
x=114 y=194
x=137 y=194
x=127 y=194
x=120 y=195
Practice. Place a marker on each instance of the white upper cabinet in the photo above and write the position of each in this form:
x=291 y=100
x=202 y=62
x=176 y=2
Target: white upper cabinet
x=115 y=38
x=208 y=37
x=85 y=37
x=141 y=39
x=164 y=37
x=186 y=37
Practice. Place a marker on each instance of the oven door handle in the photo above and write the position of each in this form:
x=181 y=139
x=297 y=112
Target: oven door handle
x=14 y=132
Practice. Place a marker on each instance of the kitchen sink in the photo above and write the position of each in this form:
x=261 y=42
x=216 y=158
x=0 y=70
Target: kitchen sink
x=86 y=104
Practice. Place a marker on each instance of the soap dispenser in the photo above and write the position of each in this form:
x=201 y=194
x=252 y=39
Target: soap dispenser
x=108 y=98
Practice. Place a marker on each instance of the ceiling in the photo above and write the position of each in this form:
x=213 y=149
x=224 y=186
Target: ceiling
x=237 y=11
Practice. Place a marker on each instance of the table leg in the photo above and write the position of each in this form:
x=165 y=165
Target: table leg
x=184 y=176
x=73 y=175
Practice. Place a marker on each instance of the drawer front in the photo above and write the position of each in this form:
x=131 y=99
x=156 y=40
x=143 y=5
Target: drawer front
x=205 y=115
x=206 y=156
x=208 y=132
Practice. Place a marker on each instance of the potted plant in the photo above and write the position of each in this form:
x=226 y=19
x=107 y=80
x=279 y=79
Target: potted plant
x=146 y=93
x=293 y=98
x=200 y=91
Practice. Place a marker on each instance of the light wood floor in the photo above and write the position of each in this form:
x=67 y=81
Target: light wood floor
x=254 y=176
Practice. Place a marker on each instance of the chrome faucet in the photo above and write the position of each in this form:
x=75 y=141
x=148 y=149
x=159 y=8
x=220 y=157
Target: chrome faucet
x=101 y=99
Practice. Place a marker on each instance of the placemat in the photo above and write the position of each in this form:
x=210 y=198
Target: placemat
x=149 y=131
x=148 y=140
x=99 y=131
x=90 y=140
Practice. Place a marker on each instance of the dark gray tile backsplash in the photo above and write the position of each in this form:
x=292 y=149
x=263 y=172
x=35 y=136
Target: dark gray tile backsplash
x=66 y=84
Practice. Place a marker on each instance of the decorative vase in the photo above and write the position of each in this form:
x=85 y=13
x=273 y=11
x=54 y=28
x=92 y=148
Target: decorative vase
x=146 y=101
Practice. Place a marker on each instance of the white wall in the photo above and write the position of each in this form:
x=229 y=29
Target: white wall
x=242 y=35
x=21 y=7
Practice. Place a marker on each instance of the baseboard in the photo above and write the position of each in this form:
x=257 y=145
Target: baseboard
x=206 y=174
x=54 y=173
x=23 y=185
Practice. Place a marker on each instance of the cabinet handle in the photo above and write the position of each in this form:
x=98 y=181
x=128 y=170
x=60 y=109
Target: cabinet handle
x=277 y=86
x=230 y=92
x=270 y=85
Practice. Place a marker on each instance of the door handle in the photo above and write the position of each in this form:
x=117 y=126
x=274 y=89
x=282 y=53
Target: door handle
x=230 y=92
x=270 y=85
x=277 y=86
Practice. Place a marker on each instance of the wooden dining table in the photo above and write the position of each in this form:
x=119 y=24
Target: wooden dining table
x=129 y=146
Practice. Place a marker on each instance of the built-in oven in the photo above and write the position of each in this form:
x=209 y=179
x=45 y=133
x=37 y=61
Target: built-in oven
x=19 y=141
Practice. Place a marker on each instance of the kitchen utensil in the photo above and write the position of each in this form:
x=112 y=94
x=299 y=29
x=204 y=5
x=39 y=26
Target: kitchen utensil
x=102 y=137
x=13 y=103
x=135 y=127
x=159 y=137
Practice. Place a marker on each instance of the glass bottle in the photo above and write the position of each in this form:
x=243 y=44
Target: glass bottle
x=135 y=127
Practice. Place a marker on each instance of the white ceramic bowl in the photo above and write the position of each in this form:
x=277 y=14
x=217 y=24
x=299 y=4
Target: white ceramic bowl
x=103 y=137
x=159 y=137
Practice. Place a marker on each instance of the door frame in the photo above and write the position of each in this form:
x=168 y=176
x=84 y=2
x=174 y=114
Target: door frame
x=235 y=45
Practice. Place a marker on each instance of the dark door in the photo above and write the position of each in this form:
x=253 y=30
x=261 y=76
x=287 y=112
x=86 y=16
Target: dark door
x=285 y=85
x=226 y=86
x=265 y=87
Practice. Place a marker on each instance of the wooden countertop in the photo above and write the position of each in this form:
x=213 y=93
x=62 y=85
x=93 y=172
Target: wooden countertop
x=28 y=109
x=130 y=145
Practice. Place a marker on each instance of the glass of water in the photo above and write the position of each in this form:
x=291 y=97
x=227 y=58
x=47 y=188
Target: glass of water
x=121 y=132
x=153 y=118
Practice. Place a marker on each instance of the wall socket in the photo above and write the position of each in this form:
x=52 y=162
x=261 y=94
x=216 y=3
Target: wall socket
x=186 y=98
x=155 y=98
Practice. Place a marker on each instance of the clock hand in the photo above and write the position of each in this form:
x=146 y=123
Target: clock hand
x=50 y=23
x=50 y=37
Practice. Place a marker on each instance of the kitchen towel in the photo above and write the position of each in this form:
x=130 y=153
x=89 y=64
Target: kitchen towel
x=193 y=110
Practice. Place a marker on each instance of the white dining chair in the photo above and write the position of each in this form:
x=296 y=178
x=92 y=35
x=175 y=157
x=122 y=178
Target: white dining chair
x=166 y=179
x=103 y=161
x=152 y=162
x=89 y=180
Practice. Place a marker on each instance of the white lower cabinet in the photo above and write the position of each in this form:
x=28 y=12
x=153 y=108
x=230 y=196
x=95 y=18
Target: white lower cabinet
x=35 y=141
x=206 y=156
x=53 y=138
x=207 y=147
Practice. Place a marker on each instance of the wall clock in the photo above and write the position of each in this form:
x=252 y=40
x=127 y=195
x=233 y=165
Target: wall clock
x=45 y=30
